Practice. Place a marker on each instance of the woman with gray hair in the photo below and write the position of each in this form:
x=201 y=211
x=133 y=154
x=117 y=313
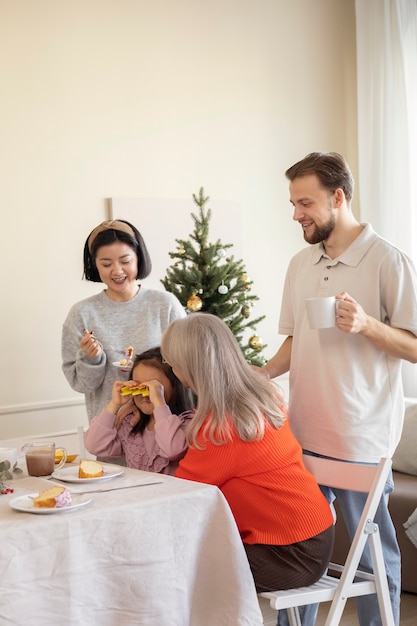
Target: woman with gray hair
x=240 y=440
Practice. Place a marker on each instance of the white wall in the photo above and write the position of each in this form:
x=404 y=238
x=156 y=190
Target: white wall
x=105 y=98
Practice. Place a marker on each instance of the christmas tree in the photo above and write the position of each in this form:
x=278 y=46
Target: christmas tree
x=205 y=278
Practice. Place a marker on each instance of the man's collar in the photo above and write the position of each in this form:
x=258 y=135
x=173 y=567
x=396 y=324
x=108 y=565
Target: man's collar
x=353 y=253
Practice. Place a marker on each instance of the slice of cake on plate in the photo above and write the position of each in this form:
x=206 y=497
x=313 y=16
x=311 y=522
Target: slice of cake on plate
x=54 y=497
x=90 y=469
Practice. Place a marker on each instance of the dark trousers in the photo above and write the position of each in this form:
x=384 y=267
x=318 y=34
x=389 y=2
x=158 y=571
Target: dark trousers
x=294 y=565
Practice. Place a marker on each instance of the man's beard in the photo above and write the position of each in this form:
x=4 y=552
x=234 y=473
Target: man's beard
x=321 y=233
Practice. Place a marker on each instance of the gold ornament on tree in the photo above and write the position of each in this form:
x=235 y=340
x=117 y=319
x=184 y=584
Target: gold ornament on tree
x=245 y=311
x=194 y=303
x=256 y=342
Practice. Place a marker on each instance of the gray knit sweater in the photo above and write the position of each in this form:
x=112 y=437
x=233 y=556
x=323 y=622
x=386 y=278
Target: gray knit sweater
x=139 y=323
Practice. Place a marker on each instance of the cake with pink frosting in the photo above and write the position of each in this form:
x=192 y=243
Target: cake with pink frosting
x=54 y=497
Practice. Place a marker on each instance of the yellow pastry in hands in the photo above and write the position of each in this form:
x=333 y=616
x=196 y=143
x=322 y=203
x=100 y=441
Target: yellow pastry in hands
x=134 y=391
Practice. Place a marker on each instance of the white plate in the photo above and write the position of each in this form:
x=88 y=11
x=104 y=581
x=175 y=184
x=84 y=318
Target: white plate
x=70 y=474
x=25 y=504
x=123 y=368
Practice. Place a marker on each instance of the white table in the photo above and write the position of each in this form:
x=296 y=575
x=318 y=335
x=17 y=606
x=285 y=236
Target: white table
x=154 y=555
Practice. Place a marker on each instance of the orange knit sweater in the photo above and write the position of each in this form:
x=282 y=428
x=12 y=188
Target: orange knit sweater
x=273 y=498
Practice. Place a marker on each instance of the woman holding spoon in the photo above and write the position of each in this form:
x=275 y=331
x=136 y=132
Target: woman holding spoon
x=99 y=329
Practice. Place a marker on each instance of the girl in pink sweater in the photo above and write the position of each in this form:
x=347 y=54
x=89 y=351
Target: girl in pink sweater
x=240 y=440
x=151 y=435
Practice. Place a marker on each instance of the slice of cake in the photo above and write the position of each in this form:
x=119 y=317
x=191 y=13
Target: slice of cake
x=54 y=497
x=128 y=360
x=90 y=469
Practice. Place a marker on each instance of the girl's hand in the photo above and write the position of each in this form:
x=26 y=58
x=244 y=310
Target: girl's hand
x=156 y=398
x=156 y=392
x=89 y=345
x=117 y=400
x=126 y=404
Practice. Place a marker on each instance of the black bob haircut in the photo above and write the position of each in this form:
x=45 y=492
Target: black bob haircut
x=106 y=238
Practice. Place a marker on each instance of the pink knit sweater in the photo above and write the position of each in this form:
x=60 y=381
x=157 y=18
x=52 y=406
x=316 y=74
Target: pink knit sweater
x=157 y=450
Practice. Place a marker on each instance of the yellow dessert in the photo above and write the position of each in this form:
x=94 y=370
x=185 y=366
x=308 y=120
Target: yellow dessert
x=54 y=497
x=134 y=391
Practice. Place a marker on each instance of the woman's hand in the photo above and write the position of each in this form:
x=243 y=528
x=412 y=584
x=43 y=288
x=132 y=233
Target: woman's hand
x=89 y=345
x=126 y=409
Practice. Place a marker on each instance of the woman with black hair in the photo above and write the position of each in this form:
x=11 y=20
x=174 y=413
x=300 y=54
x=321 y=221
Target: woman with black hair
x=99 y=329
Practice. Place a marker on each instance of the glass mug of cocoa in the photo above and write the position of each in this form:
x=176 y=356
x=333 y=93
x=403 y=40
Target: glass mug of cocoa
x=40 y=458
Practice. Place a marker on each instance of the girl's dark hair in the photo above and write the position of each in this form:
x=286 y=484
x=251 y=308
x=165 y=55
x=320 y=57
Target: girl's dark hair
x=108 y=237
x=181 y=398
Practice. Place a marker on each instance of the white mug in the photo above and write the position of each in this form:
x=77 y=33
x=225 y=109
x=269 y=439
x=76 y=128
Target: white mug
x=321 y=312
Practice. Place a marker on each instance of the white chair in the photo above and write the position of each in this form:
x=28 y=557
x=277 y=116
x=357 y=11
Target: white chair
x=349 y=582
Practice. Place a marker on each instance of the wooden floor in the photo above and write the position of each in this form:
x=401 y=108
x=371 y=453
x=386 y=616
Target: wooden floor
x=408 y=612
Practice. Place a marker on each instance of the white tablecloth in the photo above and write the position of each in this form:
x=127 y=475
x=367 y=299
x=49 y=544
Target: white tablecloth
x=167 y=554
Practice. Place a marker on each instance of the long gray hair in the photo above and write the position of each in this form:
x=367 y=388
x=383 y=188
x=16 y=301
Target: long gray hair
x=205 y=353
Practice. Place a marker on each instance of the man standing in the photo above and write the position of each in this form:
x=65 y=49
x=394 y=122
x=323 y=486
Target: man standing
x=346 y=397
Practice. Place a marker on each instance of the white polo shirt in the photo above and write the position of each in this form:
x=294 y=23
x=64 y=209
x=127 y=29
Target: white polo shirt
x=346 y=397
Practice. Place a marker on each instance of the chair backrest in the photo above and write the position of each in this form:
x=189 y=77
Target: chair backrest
x=345 y=474
x=356 y=477
x=369 y=479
